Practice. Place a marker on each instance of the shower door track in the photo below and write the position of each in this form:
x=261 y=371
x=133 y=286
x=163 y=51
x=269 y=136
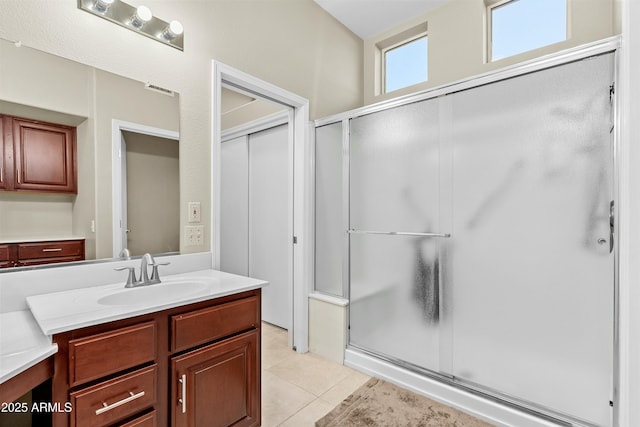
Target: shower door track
x=478 y=390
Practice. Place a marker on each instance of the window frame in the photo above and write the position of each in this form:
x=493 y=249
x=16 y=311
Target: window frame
x=394 y=41
x=495 y=4
x=398 y=45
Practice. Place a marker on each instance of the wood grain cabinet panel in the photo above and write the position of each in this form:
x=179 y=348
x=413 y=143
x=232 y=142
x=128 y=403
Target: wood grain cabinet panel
x=114 y=400
x=103 y=354
x=38 y=156
x=218 y=385
x=147 y=420
x=201 y=326
x=64 y=248
x=36 y=253
x=6 y=154
x=45 y=156
x=6 y=259
x=106 y=367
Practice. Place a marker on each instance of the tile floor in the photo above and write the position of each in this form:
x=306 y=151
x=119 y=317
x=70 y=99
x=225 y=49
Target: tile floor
x=298 y=389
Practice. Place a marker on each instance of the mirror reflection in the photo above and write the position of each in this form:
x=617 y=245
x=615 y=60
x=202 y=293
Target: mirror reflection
x=89 y=162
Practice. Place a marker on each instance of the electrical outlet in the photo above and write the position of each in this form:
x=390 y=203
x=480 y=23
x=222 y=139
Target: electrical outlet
x=194 y=211
x=194 y=235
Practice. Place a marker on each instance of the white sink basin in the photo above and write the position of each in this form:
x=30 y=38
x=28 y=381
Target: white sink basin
x=161 y=292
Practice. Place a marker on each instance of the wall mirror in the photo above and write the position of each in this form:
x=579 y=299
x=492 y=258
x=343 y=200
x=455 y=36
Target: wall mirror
x=132 y=201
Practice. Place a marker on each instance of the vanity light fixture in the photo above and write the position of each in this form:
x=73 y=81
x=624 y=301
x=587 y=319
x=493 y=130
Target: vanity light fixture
x=138 y=19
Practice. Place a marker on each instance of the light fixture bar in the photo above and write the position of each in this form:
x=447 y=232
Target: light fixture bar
x=133 y=18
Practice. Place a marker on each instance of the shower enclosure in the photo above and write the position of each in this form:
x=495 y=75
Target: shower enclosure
x=480 y=236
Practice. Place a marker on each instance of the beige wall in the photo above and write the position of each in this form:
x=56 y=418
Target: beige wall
x=457 y=42
x=291 y=43
x=118 y=98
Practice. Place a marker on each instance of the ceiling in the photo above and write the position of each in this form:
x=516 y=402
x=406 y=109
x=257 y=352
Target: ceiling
x=367 y=18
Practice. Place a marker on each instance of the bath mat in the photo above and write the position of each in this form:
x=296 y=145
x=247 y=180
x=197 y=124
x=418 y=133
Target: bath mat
x=382 y=404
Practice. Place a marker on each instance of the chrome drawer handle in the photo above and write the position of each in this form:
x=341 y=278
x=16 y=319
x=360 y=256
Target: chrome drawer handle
x=106 y=407
x=183 y=400
x=52 y=250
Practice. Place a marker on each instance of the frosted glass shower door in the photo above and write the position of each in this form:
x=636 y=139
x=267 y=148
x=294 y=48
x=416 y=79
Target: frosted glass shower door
x=394 y=277
x=532 y=271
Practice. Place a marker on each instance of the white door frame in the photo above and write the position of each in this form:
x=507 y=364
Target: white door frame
x=300 y=218
x=118 y=175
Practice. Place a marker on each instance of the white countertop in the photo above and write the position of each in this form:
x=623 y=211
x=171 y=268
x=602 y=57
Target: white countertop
x=22 y=343
x=64 y=311
x=25 y=336
x=39 y=239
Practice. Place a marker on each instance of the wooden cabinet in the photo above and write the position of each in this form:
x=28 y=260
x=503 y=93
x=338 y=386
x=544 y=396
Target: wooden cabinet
x=217 y=385
x=38 y=156
x=7 y=257
x=194 y=365
x=6 y=155
x=36 y=253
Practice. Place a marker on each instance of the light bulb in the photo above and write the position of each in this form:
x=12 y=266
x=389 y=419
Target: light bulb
x=102 y=5
x=142 y=16
x=176 y=28
x=173 y=30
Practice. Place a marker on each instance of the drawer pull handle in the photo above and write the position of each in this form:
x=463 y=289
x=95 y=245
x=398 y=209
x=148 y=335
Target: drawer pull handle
x=183 y=400
x=52 y=250
x=106 y=407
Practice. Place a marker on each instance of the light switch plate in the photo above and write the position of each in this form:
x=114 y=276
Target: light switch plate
x=194 y=211
x=194 y=235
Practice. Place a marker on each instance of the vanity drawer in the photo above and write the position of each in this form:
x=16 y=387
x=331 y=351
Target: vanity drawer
x=201 y=326
x=66 y=248
x=98 y=355
x=119 y=398
x=147 y=420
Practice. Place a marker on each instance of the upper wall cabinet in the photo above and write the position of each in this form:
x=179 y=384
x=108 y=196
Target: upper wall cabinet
x=38 y=156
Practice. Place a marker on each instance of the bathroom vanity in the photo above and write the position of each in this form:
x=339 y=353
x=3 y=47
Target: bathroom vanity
x=185 y=352
x=21 y=253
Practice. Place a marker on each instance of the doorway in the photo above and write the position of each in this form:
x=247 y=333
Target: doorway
x=146 y=190
x=256 y=193
x=298 y=212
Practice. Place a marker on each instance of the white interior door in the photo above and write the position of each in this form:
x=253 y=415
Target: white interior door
x=255 y=215
x=269 y=236
x=234 y=209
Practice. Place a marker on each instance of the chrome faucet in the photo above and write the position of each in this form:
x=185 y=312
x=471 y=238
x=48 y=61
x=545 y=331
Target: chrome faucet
x=146 y=262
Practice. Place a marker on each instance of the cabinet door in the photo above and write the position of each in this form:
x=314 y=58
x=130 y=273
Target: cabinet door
x=5 y=258
x=6 y=154
x=218 y=385
x=44 y=156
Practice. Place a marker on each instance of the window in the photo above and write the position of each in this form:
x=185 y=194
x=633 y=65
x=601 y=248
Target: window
x=405 y=64
x=521 y=25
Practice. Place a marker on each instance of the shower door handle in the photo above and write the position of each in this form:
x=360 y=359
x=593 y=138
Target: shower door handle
x=399 y=233
x=611 y=225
